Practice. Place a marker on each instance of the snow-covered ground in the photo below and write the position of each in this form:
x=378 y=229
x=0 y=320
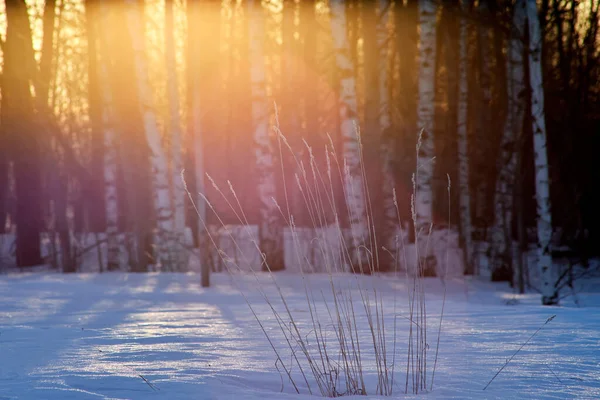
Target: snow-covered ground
x=96 y=335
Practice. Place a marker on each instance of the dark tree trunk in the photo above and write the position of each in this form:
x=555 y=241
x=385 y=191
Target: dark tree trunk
x=3 y=184
x=372 y=138
x=308 y=72
x=20 y=127
x=205 y=128
x=285 y=166
x=4 y=163
x=406 y=99
x=62 y=225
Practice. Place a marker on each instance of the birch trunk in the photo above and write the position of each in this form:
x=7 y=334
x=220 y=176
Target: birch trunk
x=351 y=146
x=464 y=198
x=162 y=199
x=180 y=261
x=502 y=249
x=390 y=215
x=542 y=181
x=270 y=227
x=113 y=258
x=115 y=243
x=423 y=196
x=95 y=198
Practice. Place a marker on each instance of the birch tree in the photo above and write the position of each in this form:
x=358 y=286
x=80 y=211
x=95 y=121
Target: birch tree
x=95 y=199
x=162 y=198
x=542 y=181
x=507 y=162
x=113 y=261
x=114 y=242
x=464 y=198
x=423 y=196
x=175 y=134
x=270 y=228
x=351 y=147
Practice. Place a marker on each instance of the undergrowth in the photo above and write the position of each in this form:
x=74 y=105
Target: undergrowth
x=348 y=332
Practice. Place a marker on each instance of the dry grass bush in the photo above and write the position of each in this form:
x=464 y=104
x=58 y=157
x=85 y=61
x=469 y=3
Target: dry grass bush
x=349 y=326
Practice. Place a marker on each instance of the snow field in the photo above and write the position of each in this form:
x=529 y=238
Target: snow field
x=93 y=336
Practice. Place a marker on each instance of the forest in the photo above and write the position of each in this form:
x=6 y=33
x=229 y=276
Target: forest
x=293 y=199
x=133 y=133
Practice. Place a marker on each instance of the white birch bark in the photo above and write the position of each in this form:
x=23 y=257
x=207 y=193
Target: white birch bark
x=115 y=243
x=423 y=196
x=391 y=222
x=542 y=179
x=507 y=163
x=113 y=246
x=162 y=199
x=353 y=182
x=270 y=228
x=464 y=198
x=175 y=130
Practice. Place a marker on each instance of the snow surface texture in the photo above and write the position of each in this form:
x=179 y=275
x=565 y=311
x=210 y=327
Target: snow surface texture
x=91 y=336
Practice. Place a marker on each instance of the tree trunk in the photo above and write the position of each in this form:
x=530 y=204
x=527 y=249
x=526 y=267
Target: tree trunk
x=270 y=227
x=542 y=183
x=113 y=260
x=180 y=259
x=164 y=245
x=484 y=125
x=196 y=185
x=520 y=201
x=115 y=242
x=309 y=27
x=5 y=212
x=371 y=140
x=95 y=197
x=391 y=223
x=313 y=131
x=502 y=243
x=423 y=196
x=137 y=211
x=4 y=188
x=464 y=198
x=407 y=38
x=351 y=149
x=290 y=115
x=67 y=256
x=47 y=49
x=20 y=127
x=203 y=61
